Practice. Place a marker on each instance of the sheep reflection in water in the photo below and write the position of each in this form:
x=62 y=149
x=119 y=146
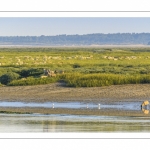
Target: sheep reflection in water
x=145 y=107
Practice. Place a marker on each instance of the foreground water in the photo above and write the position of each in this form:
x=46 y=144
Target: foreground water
x=73 y=123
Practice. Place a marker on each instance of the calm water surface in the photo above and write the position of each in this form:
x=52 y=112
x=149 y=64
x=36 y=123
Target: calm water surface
x=73 y=123
x=75 y=105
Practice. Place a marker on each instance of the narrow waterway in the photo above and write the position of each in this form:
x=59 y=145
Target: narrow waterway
x=75 y=105
x=36 y=122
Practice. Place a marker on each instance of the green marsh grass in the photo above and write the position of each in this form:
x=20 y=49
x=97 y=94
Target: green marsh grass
x=33 y=81
x=83 y=67
x=98 y=80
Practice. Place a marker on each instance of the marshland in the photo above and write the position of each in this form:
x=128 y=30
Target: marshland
x=94 y=76
x=81 y=67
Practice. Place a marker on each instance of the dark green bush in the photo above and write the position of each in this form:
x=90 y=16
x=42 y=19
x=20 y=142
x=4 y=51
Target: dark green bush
x=25 y=73
x=8 y=77
x=31 y=72
x=76 y=66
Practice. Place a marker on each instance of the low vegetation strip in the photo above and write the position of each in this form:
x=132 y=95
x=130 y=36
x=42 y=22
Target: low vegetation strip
x=85 y=80
x=97 y=80
x=33 y=81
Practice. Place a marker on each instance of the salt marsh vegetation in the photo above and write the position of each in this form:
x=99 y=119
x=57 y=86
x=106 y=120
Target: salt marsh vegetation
x=82 y=67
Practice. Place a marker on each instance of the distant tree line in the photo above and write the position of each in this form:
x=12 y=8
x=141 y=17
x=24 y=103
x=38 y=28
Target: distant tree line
x=87 y=39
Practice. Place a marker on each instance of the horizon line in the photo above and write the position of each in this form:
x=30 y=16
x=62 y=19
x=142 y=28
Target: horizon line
x=76 y=34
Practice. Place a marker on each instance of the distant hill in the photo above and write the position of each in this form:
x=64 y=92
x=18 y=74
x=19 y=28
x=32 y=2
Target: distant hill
x=87 y=39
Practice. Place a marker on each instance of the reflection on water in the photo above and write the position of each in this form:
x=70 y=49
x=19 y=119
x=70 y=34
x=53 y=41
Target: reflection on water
x=72 y=123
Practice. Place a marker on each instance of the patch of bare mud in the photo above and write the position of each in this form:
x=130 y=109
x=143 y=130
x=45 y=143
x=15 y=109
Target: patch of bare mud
x=58 y=92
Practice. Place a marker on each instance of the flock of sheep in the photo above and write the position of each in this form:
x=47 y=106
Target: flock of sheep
x=50 y=73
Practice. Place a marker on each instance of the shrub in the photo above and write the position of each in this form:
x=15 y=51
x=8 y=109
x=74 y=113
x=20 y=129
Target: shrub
x=8 y=77
x=76 y=65
x=24 y=73
x=31 y=72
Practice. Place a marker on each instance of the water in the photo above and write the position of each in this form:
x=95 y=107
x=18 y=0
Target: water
x=75 y=105
x=74 y=123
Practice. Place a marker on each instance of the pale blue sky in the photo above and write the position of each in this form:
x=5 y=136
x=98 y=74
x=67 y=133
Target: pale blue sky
x=55 y=26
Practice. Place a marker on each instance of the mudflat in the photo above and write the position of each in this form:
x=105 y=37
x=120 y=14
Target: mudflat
x=97 y=112
x=59 y=92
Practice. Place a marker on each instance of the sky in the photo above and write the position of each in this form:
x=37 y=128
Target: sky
x=56 y=26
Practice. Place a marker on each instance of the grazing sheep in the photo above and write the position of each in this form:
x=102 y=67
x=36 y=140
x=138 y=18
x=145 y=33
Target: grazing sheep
x=51 y=72
x=23 y=78
x=43 y=76
x=145 y=111
x=145 y=103
x=52 y=75
x=45 y=71
x=145 y=107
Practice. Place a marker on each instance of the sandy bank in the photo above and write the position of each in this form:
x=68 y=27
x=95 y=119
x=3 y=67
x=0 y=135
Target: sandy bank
x=58 y=92
x=101 y=112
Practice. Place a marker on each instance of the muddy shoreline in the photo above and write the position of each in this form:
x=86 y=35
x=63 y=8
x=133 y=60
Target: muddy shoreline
x=58 y=92
x=108 y=112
